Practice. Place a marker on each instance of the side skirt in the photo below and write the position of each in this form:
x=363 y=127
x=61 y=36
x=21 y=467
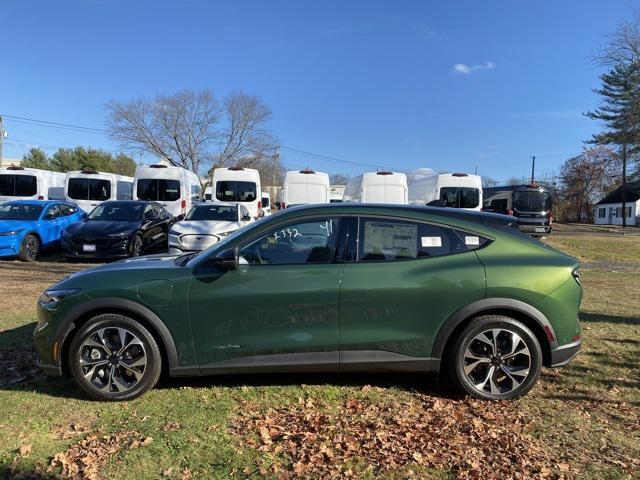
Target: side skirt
x=347 y=361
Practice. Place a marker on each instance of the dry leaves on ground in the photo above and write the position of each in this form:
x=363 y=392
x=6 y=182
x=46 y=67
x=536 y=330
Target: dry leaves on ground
x=471 y=438
x=18 y=365
x=85 y=459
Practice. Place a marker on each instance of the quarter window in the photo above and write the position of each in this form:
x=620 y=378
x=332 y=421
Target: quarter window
x=311 y=241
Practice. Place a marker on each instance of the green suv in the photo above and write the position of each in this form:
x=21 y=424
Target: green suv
x=342 y=287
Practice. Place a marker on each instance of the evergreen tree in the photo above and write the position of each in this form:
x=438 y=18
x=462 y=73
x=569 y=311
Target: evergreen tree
x=36 y=158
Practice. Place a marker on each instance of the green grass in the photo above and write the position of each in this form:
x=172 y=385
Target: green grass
x=586 y=414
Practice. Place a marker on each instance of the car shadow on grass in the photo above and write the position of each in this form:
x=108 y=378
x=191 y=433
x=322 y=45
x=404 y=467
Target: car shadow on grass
x=594 y=317
x=19 y=371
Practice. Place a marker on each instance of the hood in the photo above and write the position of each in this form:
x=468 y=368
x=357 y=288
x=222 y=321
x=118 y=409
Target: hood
x=206 y=226
x=100 y=227
x=8 y=225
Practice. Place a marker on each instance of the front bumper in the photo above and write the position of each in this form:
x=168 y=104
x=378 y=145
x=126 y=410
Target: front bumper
x=191 y=242
x=105 y=248
x=10 y=245
x=560 y=356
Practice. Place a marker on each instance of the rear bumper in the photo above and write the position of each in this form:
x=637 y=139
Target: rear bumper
x=534 y=228
x=560 y=356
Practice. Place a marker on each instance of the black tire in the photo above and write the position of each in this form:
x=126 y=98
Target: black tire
x=117 y=381
x=29 y=248
x=497 y=378
x=136 y=245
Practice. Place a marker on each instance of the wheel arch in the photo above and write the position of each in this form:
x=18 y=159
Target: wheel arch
x=516 y=309
x=128 y=308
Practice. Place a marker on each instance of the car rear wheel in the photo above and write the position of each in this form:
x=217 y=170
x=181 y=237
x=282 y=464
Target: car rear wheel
x=112 y=357
x=30 y=248
x=496 y=358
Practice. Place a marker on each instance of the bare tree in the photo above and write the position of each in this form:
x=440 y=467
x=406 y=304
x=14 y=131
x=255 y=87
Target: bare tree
x=587 y=178
x=245 y=140
x=623 y=45
x=339 y=178
x=179 y=128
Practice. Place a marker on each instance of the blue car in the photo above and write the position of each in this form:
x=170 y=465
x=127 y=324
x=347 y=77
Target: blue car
x=29 y=226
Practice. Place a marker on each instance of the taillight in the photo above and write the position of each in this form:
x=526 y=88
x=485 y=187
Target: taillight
x=510 y=212
x=184 y=206
x=40 y=197
x=550 y=217
x=283 y=205
x=259 y=204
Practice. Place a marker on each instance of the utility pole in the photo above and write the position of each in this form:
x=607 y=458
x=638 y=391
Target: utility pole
x=2 y=134
x=533 y=169
x=624 y=185
x=276 y=156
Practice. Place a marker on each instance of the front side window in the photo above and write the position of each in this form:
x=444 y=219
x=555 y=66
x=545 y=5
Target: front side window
x=310 y=241
x=158 y=190
x=460 y=197
x=389 y=240
x=236 y=191
x=18 y=185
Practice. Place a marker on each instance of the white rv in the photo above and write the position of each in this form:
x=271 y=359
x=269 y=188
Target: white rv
x=239 y=185
x=175 y=188
x=378 y=187
x=303 y=187
x=88 y=188
x=455 y=190
x=20 y=183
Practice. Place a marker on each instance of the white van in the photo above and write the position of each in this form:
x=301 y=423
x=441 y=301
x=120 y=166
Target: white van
x=304 y=187
x=88 y=188
x=378 y=187
x=175 y=188
x=20 y=183
x=239 y=185
x=455 y=190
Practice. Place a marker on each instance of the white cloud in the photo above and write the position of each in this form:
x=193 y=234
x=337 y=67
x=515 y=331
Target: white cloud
x=465 y=69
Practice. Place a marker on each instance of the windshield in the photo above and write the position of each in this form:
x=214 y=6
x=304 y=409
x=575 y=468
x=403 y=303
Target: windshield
x=236 y=191
x=18 y=185
x=116 y=211
x=213 y=212
x=158 y=189
x=19 y=211
x=460 y=197
x=532 y=201
x=89 y=189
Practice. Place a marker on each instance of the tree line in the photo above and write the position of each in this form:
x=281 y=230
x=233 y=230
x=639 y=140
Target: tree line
x=80 y=158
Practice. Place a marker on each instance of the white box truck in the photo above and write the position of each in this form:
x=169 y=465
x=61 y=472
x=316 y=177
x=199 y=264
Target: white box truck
x=304 y=187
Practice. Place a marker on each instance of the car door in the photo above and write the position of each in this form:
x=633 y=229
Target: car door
x=278 y=309
x=408 y=278
x=51 y=225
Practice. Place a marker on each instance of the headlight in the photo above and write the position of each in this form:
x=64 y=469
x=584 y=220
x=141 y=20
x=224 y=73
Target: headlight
x=121 y=235
x=50 y=299
x=11 y=232
x=174 y=232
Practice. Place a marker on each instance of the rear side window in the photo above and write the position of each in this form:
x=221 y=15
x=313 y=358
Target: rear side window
x=389 y=240
x=460 y=197
x=18 y=185
x=89 y=189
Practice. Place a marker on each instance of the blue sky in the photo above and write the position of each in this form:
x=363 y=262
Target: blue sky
x=446 y=85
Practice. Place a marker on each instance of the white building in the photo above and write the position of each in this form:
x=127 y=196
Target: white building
x=9 y=162
x=608 y=211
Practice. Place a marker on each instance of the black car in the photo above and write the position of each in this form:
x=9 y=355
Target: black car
x=118 y=229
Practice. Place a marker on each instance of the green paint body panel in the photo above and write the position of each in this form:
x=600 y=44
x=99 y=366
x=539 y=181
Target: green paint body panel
x=398 y=307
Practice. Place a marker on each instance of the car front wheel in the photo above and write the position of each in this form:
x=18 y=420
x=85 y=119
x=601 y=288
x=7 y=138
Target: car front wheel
x=496 y=358
x=113 y=357
x=30 y=248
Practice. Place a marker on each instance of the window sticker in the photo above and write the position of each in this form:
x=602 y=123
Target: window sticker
x=392 y=239
x=473 y=241
x=431 y=242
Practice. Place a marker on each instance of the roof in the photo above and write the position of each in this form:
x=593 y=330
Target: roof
x=632 y=194
x=37 y=202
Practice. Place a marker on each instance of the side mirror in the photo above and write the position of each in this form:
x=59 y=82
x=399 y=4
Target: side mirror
x=246 y=218
x=179 y=218
x=227 y=259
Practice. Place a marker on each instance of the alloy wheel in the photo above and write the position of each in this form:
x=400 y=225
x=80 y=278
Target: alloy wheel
x=497 y=361
x=32 y=246
x=112 y=359
x=137 y=246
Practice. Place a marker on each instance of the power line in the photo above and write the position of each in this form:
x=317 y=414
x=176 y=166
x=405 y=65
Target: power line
x=47 y=123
